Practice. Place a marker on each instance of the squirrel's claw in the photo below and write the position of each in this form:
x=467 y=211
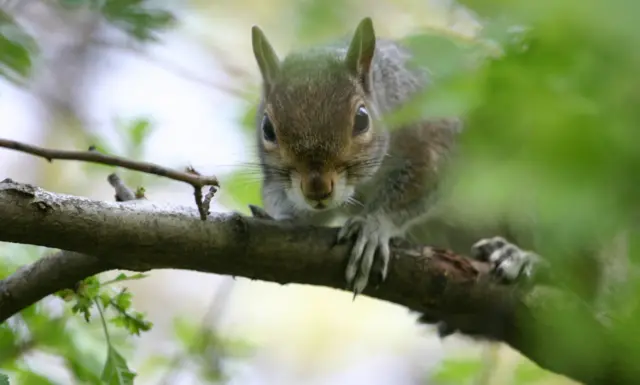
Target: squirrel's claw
x=346 y=232
x=371 y=239
x=259 y=212
x=510 y=263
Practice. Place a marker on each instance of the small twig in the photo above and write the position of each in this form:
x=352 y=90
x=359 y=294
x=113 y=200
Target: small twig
x=206 y=202
x=203 y=204
x=197 y=194
x=123 y=193
x=194 y=179
x=103 y=321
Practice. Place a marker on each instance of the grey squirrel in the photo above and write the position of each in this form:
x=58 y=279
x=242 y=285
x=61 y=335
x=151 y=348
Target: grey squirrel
x=325 y=151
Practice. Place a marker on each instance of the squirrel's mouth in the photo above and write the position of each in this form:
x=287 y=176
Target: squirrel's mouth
x=320 y=206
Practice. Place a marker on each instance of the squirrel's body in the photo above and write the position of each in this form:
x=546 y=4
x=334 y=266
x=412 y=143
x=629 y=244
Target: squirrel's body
x=325 y=151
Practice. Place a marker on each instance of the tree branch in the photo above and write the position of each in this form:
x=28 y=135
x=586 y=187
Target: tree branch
x=61 y=270
x=143 y=235
x=93 y=156
x=191 y=177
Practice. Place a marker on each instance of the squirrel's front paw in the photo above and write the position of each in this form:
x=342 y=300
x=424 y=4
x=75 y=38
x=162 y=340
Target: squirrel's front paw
x=372 y=238
x=510 y=263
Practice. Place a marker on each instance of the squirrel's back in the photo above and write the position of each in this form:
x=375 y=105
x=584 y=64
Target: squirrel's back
x=395 y=78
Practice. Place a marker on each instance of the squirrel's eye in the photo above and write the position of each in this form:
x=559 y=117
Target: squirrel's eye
x=268 y=132
x=361 y=121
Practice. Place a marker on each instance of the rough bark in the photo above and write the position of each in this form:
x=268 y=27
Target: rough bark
x=143 y=235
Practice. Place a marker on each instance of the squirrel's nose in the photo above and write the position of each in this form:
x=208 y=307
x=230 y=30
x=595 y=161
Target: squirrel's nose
x=317 y=187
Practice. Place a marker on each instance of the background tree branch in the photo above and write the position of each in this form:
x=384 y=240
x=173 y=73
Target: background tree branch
x=143 y=235
x=189 y=176
x=194 y=179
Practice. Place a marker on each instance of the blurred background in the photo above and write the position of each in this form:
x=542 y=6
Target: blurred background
x=549 y=89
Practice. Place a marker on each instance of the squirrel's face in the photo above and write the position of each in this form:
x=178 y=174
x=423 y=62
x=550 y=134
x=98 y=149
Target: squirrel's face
x=321 y=138
x=318 y=131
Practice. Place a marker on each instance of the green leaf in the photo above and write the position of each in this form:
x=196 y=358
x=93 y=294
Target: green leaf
x=123 y=277
x=133 y=322
x=4 y=379
x=116 y=371
x=83 y=306
x=66 y=294
x=123 y=300
x=87 y=291
x=90 y=287
x=105 y=300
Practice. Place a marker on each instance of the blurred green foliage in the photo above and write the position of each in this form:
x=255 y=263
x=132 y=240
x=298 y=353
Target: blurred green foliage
x=549 y=93
x=550 y=138
x=457 y=371
x=93 y=349
x=136 y=18
x=132 y=136
x=16 y=49
x=77 y=341
x=116 y=371
x=461 y=371
x=200 y=346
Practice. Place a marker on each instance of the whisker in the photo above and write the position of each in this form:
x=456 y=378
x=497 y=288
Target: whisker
x=353 y=201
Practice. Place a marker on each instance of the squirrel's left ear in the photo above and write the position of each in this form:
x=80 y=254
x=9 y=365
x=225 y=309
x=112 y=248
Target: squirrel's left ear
x=266 y=57
x=361 y=50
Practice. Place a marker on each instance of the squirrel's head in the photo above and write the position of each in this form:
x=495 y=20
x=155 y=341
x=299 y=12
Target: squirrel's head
x=318 y=126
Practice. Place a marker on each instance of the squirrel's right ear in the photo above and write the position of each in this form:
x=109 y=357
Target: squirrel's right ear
x=266 y=57
x=361 y=50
